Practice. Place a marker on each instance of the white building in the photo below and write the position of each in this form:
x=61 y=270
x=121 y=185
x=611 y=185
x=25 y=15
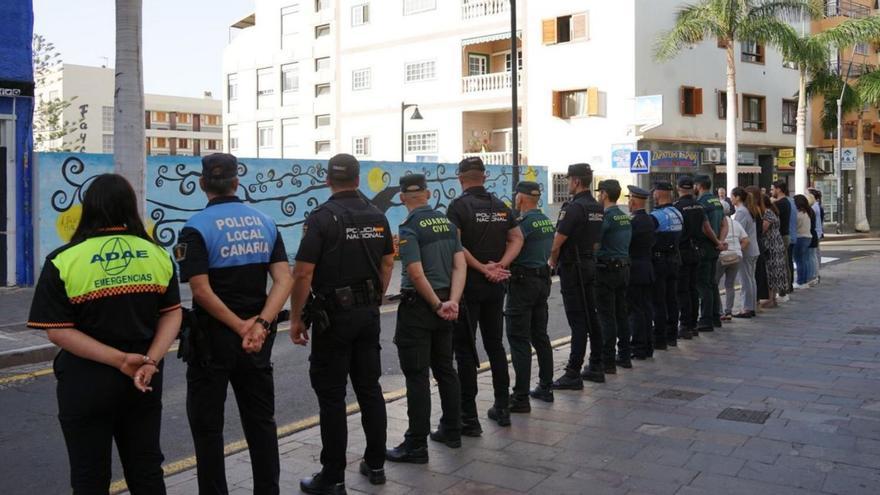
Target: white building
x=175 y=125
x=310 y=78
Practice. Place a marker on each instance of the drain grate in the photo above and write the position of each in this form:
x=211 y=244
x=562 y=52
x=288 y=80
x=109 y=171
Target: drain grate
x=865 y=331
x=675 y=394
x=744 y=415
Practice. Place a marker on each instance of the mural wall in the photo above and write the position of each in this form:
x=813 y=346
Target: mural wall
x=287 y=190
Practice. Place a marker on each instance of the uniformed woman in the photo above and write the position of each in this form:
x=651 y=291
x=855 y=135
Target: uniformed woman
x=110 y=300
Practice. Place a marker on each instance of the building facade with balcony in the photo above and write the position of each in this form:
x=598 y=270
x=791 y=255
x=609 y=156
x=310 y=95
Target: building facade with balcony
x=175 y=125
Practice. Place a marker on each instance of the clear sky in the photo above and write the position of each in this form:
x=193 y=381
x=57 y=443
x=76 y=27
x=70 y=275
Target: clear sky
x=183 y=39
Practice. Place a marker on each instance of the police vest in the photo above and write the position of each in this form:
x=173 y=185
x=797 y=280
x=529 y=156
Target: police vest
x=669 y=226
x=235 y=234
x=484 y=233
x=357 y=253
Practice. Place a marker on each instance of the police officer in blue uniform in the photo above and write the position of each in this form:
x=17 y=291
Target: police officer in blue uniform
x=491 y=241
x=667 y=263
x=225 y=252
x=572 y=255
x=345 y=260
x=641 y=278
x=693 y=218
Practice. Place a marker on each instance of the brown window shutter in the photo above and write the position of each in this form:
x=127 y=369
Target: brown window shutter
x=681 y=105
x=592 y=101
x=557 y=104
x=698 y=101
x=580 y=29
x=549 y=27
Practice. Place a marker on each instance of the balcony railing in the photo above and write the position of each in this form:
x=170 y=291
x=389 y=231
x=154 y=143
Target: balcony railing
x=488 y=82
x=846 y=8
x=472 y=9
x=857 y=69
x=497 y=157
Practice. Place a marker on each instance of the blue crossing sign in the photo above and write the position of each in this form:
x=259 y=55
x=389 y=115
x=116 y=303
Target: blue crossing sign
x=640 y=162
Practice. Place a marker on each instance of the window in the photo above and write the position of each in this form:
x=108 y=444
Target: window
x=420 y=71
x=361 y=146
x=752 y=52
x=265 y=87
x=322 y=147
x=183 y=143
x=231 y=87
x=788 y=64
x=288 y=28
x=264 y=134
x=232 y=137
x=415 y=6
x=360 y=14
x=789 y=116
x=107 y=143
x=160 y=116
x=754 y=113
x=421 y=142
x=184 y=118
x=519 y=58
x=861 y=49
x=361 y=79
x=321 y=5
x=478 y=64
x=576 y=103
x=289 y=128
x=289 y=82
x=566 y=28
x=691 y=101
x=210 y=120
x=322 y=90
x=722 y=105
x=322 y=31
x=322 y=64
x=161 y=142
x=107 y=119
x=211 y=144
x=322 y=121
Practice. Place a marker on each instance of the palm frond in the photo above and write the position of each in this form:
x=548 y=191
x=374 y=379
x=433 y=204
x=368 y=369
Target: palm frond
x=851 y=32
x=808 y=53
x=787 y=10
x=768 y=30
x=868 y=88
x=693 y=24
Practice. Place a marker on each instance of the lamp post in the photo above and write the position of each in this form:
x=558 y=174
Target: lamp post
x=415 y=116
x=514 y=83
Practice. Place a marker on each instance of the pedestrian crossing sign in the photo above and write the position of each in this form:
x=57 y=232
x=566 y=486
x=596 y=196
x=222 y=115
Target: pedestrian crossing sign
x=640 y=162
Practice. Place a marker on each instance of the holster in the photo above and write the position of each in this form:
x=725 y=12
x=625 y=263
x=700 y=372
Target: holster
x=194 y=348
x=315 y=314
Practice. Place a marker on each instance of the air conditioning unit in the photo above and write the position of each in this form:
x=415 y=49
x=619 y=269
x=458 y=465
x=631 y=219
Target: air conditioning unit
x=711 y=155
x=826 y=165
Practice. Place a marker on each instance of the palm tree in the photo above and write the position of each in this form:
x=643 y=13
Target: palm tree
x=729 y=21
x=129 y=148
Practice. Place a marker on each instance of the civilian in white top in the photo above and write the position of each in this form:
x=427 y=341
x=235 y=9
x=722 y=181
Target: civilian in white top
x=746 y=213
x=737 y=242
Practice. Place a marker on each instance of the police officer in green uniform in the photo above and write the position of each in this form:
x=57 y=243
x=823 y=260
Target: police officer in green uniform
x=433 y=278
x=527 y=293
x=612 y=275
x=712 y=243
x=641 y=279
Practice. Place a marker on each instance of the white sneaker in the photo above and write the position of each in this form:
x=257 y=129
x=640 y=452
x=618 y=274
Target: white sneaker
x=783 y=299
x=813 y=283
x=801 y=287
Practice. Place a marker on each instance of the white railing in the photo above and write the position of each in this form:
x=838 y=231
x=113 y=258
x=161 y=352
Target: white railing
x=488 y=82
x=497 y=157
x=472 y=9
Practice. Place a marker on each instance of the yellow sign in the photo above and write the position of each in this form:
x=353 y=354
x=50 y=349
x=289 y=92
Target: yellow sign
x=786 y=153
x=66 y=222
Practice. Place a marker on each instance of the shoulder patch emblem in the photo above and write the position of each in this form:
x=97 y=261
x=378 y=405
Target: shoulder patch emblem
x=180 y=252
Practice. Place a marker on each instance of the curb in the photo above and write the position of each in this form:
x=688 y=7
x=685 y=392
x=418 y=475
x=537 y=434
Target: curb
x=847 y=237
x=27 y=355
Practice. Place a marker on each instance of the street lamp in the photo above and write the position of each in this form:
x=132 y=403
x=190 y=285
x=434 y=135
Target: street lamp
x=415 y=116
x=514 y=78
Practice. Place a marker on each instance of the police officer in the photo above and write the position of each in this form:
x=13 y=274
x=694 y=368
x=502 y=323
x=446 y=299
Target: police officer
x=693 y=219
x=572 y=255
x=527 y=294
x=667 y=263
x=225 y=252
x=433 y=276
x=641 y=277
x=491 y=241
x=711 y=244
x=612 y=277
x=110 y=300
x=345 y=258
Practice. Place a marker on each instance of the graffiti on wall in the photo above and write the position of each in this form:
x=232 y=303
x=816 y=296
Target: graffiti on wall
x=287 y=190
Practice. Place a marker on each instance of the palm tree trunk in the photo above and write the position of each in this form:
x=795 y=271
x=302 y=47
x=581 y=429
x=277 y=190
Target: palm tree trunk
x=800 y=142
x=732 y=150
x=129 y=147
x=861 y=212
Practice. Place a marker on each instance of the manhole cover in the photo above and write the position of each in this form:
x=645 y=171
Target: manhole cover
x=744 y=415
x=865 y=331
x=674 y=394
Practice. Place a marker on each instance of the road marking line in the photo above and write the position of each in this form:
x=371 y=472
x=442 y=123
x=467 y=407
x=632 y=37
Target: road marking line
x=25 y=376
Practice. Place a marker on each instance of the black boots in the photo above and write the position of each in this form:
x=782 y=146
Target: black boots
x=542 y=392
x=408 y=452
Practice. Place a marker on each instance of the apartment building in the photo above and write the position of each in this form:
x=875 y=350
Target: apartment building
x=175 y=125
x=590 y=89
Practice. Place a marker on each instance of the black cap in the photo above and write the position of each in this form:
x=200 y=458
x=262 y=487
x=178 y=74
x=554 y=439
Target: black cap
x=580 y=170
x=219 y=166
x=686 y=182
x=638 y=192
x=703 y=179
x=471 y=163
x=413 y=183
x=343 y=167
x=529 y=188
x=662 y=185
x=609 y=186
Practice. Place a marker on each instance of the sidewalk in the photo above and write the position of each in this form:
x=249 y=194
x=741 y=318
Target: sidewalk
x=799 y=385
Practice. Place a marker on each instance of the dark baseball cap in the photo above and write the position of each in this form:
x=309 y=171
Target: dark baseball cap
x=580 y=170
x=662 y=185
x=219 y=166
x=609 y=186
x=638 y=192
x=343 y=167
x=471 y=163
x=413 y=183
x=686 y=182
x=529 y=188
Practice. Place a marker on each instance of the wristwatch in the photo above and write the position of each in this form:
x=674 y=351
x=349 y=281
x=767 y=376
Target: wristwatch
x=267 y=325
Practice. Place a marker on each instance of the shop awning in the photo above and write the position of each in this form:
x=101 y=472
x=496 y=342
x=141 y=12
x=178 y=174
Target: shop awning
x=740 y=169
x=489 y=38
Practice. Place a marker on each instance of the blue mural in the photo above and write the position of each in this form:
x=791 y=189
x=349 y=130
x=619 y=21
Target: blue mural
x=287 y=190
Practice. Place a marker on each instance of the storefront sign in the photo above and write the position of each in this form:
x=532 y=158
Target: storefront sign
x=688 y=159
x=785 y=159
x=850 y=157
x=16 y=88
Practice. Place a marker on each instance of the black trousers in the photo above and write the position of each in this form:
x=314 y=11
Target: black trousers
x=613 y=314
x=484 y=308
x=665 y=301
x=580 y=311
x=707 y=288
x=527 y=315
x=424 y=342
x=688 y=301
x=98 y=405
x=350 y=347
x=641 y=316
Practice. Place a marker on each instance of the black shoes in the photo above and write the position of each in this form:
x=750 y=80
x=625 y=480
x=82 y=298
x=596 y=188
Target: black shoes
x=685 y=333
x=406 y=452
x=592 y=375
x=317 y=486
x=625 y=363
x=543 y=392
x=500 y=415
x=745 y=314
x=660 y=346
x=569 y=381
x=375 y=476
x=610 y=369
x=520 y=404
x=672 y=343
x=704 y=329
x=440 y=436
x=470 y=427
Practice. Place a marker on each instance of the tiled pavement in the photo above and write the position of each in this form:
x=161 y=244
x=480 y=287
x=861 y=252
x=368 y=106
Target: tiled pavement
x=818 y=382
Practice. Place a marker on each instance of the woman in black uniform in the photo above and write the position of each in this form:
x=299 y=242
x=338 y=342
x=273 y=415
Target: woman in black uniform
x=110 y=300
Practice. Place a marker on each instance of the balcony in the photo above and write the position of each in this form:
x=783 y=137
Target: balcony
x=497 y=157
x=846 y=8
x=486 y=63
x=473 y=9
x=856 y=70
x=488 y=134
x=488 y=82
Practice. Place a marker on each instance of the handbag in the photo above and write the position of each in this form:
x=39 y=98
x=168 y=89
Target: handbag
x=727 y=258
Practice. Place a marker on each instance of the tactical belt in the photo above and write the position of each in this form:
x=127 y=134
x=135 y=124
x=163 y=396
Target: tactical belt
x=521 y=271
x=411 y=296
x=352 y=296
x=612 y=263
